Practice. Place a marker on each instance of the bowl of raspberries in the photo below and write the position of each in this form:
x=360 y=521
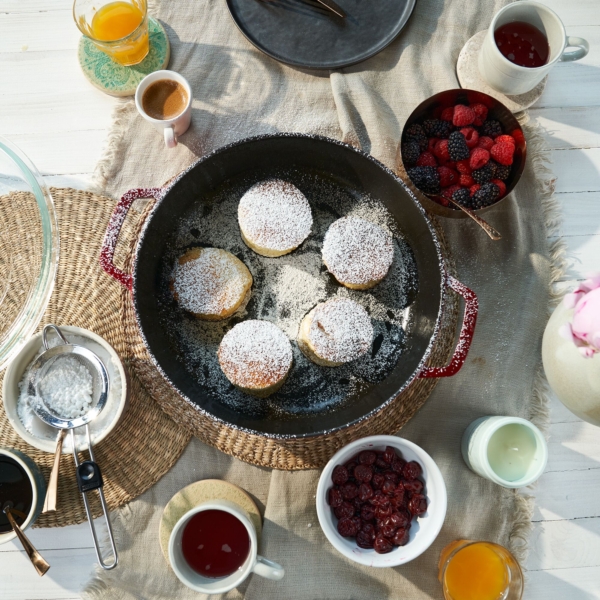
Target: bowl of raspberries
x=381 y=501
x=464 y=145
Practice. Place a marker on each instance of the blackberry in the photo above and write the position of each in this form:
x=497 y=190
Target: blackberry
x=485 y=195
x=463 y=197
x=416 y=134
x=491 y=129
x=410 y=153
x=426 y=179
x=483 y=175
x=437 y=128
x=501 y=171
x=457 y=146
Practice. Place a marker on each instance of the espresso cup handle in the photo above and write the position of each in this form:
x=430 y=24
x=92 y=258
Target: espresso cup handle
x=170 y=139
x=576 y=42
x=268 y=569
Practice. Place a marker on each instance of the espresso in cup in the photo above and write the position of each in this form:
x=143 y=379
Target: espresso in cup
x=16 y=492
x=164 y=99
x=215 y=543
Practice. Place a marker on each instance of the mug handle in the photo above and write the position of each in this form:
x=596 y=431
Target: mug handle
x=170 y=139
x=267 y=568
x=582 y=49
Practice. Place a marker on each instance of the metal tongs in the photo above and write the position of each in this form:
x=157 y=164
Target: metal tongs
x=89 y=476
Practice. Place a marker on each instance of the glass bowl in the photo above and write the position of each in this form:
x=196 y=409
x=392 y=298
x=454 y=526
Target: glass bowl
x=29 y=249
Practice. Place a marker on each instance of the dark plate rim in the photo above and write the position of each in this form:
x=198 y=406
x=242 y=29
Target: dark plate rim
x=328 y=66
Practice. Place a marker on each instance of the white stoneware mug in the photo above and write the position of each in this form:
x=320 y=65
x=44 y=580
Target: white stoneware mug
x=509 y=78
x=178 y=125
x=254 y=562
x=476 y=442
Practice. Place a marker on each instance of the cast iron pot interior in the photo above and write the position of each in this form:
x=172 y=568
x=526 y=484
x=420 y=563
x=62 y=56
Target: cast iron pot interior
x=270 y=155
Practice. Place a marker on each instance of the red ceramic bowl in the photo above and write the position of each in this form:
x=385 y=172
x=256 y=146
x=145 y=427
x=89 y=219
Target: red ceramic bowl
x=432 y=107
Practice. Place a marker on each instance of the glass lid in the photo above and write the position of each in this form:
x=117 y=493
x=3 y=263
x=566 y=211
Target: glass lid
x=29 y=248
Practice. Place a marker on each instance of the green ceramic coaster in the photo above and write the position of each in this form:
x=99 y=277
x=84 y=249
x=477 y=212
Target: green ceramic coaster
x=197 y=493
x=115 y=79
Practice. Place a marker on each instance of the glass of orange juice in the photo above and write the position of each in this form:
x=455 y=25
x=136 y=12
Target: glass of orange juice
x=479 y=571
x=117 y=27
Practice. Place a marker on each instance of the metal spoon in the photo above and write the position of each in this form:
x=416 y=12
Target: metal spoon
x=52 y=492
x=37 y=560
x=483 y=224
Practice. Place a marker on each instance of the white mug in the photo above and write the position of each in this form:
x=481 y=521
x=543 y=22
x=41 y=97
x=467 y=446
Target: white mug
x=254 y=563
x=178 y=125
x=509 y=78
x=475 y=448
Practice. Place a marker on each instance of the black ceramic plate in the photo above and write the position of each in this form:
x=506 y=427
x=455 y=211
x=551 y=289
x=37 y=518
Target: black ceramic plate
x=304 y=34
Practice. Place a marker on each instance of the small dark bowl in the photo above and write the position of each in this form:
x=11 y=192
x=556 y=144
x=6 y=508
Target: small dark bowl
x=432 y=107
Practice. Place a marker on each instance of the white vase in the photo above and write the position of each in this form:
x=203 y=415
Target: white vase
x=574 y=378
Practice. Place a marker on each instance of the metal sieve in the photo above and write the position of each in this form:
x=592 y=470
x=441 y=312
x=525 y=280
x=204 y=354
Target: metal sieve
x=89 y=476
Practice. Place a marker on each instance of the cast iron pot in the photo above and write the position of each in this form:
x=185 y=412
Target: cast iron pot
x=270 y=155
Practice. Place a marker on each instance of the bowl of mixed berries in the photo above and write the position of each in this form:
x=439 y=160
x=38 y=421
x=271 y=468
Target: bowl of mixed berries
x=464 y=145
x=381 y=501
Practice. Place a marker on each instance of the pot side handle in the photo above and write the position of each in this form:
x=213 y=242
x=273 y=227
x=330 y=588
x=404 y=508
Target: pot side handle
x=466 y=332
x=111 y=237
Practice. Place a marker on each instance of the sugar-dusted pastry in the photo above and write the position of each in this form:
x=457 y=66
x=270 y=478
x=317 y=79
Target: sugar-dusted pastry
x=357 y=253
x=210 y=283
x=256 y=356
x=335 y=332
x=274 y=217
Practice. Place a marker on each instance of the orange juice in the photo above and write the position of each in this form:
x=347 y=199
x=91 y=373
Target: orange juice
x=120 y=22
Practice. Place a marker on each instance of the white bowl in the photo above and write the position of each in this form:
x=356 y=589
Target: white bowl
x=100 y=427
x=424 y=529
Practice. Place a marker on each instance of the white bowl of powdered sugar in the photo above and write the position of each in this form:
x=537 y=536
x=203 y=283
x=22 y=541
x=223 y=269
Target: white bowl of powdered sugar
x=69 y=390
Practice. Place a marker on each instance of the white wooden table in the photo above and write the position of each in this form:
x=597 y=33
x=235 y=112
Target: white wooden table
x=60 y=121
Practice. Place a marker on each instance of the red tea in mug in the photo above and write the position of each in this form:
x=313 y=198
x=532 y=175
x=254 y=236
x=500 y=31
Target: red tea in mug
x=522 y=44
x=215 y=543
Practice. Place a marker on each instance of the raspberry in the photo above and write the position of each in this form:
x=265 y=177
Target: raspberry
x=479 y=157
x=518 y=136
x=426 y=160
x=449 y=191
x=441 y=150
x=447 y=176
x=485 y=142
x=410 y=153
x=481 y=112
x=437 y=128
x=501 y=186
x=462 y=116
x=473 y=189
x=466 y=180
x=462 y=166
x=416 y=134
x=503 y=153
x=431 y=143
x=508 y=139
x=447 y=114
x=457 y=146
x=471 y=136
x=426 y=179
x=491 y=129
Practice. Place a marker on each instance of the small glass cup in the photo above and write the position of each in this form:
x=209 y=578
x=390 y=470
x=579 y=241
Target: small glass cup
x=484 y=570
x=129 y=49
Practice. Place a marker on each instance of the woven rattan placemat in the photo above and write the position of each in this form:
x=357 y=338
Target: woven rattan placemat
x=146 y=443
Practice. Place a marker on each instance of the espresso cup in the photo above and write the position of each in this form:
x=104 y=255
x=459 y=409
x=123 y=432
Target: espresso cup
x=254 y=563
x=38 y=489
x=509 y=451
x=509 y=78
x=176 y=125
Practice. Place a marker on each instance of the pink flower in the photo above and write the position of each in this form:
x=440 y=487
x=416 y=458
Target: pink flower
x=584 y=331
